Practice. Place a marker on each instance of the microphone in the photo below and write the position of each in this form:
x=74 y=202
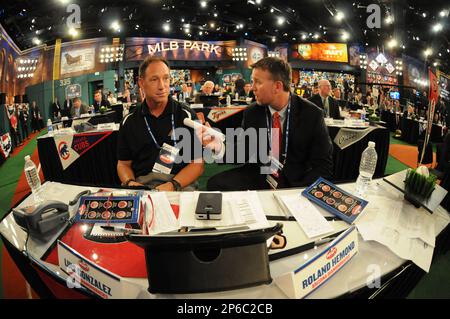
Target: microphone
x=195 y=125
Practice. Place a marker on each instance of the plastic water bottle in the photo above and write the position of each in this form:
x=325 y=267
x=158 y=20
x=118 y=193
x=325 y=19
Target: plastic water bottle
x=50 y=127
x=236 y=97
x=228 y=100
x=366 y=169
x=33 y=179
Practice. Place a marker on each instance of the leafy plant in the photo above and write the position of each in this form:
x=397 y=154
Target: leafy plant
x=419 y=185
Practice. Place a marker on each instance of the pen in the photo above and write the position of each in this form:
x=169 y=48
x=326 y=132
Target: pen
x=303 y=248
x=122 y=230
x=292 y=218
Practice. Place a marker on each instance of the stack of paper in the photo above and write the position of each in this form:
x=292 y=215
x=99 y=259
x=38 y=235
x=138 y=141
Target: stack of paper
x=309 y=218
x=406 y=231
x=159 y=216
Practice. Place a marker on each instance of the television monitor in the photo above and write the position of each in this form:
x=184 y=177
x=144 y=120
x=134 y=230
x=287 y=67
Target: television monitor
x=394 y=95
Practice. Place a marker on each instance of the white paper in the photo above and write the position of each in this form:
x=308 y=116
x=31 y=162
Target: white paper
x=160 y=218
x=308 y=217
x=399 y=215
x=411 y=249
x=97 y=230
x=238 y=208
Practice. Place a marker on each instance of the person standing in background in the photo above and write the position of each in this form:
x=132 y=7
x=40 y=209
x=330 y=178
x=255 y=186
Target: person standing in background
x=35 y=115
x=23 y=120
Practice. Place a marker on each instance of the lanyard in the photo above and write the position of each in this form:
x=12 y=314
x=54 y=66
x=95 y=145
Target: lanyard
x=269 y=132
x=153 y=136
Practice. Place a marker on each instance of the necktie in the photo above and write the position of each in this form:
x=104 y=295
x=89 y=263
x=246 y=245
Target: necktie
x=276 y=135
x=326 y=106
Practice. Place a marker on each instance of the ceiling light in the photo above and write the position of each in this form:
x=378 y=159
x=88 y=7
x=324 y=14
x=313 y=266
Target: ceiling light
x=424 y=15
x=274 y=39
x=36 y=41
x=115 y=26
x=428 y=52
x=437 y=27
x=166 y=27
x=280 y=20
x=203 y=4
x=73 y=32
x=345 y=36
x=443 y=13
x=339 y=16
x=389 y=19
x=392 y=43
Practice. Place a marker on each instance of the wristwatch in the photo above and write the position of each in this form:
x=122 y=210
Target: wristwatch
x=176 y=185
x=128 y=181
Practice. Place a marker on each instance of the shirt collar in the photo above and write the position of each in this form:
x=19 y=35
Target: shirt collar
x=167 y=111
x=282 y=113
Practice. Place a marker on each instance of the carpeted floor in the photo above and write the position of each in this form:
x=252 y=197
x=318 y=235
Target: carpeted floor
x=13 y=186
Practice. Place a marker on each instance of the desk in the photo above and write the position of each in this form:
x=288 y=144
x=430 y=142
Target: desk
x=398 y=276
x=411 y=132
x=87 y=170
x=97 y=166
x=346 y=161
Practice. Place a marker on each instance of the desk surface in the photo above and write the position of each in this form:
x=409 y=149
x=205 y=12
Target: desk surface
x=351 y=278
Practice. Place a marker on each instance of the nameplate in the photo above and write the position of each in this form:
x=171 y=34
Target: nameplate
x=316 y=271
x=83 y=272
x=347 y=136
x=106 y=127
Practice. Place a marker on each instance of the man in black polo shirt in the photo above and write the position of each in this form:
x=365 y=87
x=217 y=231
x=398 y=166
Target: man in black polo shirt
x=146 y=134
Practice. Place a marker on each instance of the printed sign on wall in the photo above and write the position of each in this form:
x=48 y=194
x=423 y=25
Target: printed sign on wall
x=77 y=60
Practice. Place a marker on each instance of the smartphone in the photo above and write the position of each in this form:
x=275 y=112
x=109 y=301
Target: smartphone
x=209 y=206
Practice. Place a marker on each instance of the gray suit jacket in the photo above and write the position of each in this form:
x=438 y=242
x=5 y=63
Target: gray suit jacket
x=83 y=109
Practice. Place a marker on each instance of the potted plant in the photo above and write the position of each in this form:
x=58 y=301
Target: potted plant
x=419 y=185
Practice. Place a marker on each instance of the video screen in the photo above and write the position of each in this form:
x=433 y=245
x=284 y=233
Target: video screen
x=394 y=95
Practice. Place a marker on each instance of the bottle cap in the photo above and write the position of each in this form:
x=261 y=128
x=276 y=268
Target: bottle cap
x=372 y=144
x=27 y=157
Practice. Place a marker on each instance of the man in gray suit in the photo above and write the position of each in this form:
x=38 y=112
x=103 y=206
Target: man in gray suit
x=78 y=108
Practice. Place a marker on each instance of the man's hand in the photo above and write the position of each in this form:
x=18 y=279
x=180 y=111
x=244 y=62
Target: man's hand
x=133 y=183
x=209 y=141
x=166 y=187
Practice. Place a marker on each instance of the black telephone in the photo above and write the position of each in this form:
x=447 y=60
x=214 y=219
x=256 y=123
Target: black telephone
x=42 y=218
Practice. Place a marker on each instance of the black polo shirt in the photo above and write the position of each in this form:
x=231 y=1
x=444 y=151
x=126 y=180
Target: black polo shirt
x=136 y=144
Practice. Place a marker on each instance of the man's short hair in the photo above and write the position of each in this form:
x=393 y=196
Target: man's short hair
x=280 y=70
x=149 y=60
x=76 y=99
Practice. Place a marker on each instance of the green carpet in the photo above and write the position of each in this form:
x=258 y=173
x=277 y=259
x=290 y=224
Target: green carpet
x=10 y=173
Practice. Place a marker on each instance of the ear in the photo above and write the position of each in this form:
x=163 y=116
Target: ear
x=278 y=86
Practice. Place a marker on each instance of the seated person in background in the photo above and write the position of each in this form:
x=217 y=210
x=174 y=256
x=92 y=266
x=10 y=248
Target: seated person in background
x=185 y=92
x=207 y=90
x=111 y=98
x=217 y=90
x=315 y=90
x=409 y=112
x=99 y=101
x=247 y=92
x=299 y=139
x=325 y=101
x=78 y=108
x=337 y=93
x=152 y=126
